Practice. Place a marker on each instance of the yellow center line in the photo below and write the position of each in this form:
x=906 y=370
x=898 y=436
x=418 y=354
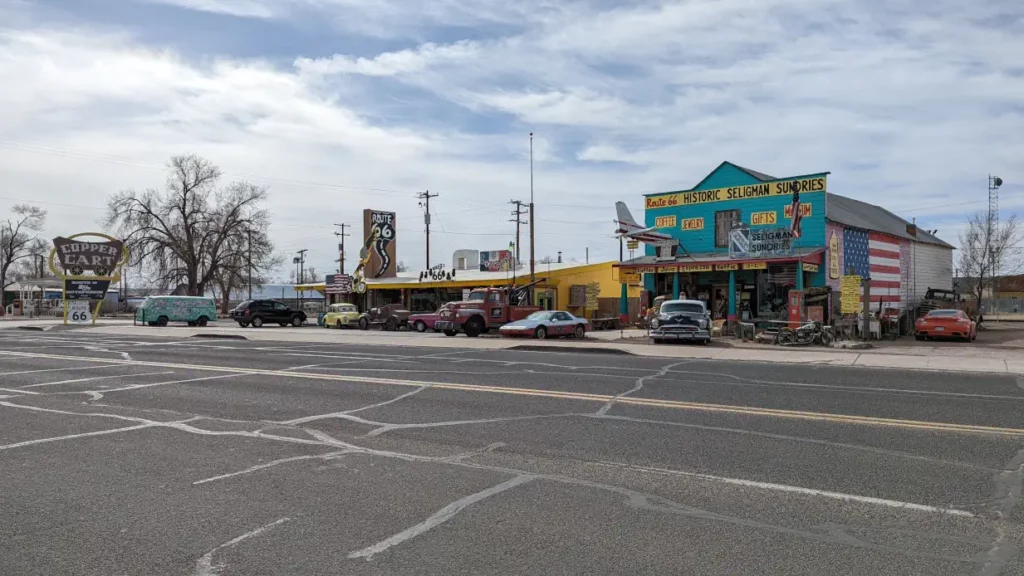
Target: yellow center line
x=556 y=394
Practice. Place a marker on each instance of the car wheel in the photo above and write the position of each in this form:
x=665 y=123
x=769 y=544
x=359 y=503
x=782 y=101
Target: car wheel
x=338 y=324
x=474 y=327
x=257 y=322
x=658 y=340
x=541 y=333
x=297 y=321
x=918 y=337
x=421 y=326
x=243 y=324
x=190 y=323
x=203 y=321
x=450 y=333
x=364 y=324
x=161 y=321
x=391 y=325
x=580 y=332
x=151 y=323
x=707 y=342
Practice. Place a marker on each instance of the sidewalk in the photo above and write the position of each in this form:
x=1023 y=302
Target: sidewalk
x=970 y=358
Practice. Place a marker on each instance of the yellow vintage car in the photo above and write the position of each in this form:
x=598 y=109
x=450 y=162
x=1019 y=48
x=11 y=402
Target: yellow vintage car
x=342 y=316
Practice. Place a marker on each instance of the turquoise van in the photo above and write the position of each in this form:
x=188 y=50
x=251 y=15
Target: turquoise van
x=159 y=310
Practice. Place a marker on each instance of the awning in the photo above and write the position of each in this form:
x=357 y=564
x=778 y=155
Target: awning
x=718 y=262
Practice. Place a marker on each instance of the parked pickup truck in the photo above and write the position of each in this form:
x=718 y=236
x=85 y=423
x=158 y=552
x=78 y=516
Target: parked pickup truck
x=485 y=309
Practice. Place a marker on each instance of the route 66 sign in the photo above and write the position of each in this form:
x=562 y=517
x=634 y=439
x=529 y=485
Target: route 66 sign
x=79 y=312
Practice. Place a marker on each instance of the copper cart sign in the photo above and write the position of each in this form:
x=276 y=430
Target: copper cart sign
x=87 y=263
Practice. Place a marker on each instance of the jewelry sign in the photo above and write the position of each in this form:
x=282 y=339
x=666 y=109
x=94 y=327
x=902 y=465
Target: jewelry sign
x=87 y=263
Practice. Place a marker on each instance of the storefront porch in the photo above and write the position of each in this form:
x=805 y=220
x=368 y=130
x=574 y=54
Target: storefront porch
x=733 y=289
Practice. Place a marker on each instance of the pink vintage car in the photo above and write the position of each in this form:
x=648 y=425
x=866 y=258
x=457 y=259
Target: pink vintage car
x=423 y=321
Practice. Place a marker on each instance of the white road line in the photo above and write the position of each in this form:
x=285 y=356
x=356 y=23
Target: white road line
x=19 y=391
x=205 y=565
x=61 y=369
x=73 y=436
x=138 y=386
x=93 y=378
x=440 y=517
x=792 y=489
x=259 y=467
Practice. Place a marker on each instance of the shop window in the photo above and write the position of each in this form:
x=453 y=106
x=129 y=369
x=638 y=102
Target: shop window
x=725 y=221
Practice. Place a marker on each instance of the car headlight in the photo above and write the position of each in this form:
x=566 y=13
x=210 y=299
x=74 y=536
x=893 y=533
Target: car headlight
x=654 y=323
x=703 y=323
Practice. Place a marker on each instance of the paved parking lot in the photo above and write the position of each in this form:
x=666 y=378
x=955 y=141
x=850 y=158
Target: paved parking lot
x=129 y=455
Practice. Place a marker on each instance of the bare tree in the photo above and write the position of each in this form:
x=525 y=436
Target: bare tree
x=401 y=267
x=312 y=277
x=186 y=234
x=986 y=250
x=546 y=260
x=248 y=254
x=19 y=238
x=33 y=265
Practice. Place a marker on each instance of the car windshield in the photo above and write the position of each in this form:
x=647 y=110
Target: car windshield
x=477 y=296
x=539 y=316
x=684 y=307
x=943 y=313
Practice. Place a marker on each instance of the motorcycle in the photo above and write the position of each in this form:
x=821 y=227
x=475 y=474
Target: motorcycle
x=809 y=333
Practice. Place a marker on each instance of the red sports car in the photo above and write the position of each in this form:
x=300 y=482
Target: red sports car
x=424 y=321
x=946 y=324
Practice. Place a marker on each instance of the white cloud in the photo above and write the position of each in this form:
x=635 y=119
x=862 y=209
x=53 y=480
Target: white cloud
x=389 y=63
x=908 y=106
x=242 y=8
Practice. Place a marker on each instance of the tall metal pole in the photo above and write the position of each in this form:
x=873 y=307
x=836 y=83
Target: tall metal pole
x=533 y=216
x=426 y=196
x=248 y=234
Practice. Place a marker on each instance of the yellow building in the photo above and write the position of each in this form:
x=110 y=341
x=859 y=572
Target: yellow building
x=588 y=290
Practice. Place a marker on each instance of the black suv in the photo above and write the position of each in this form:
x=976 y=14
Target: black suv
x=259 y=312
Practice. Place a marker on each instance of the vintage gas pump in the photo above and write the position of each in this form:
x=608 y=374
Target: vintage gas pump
x=796 y=307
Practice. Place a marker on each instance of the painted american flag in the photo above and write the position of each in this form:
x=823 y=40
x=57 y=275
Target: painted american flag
x=877 y=256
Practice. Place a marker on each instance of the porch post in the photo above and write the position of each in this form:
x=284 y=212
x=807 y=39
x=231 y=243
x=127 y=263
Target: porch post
x=799 y=274
x=732 y=297
x=675 y=286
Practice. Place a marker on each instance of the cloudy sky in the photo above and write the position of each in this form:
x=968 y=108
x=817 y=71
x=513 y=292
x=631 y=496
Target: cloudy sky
x=340 y=105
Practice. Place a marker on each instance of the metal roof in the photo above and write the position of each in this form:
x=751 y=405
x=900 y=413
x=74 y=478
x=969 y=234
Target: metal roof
x=759 y=175
x=857 y=214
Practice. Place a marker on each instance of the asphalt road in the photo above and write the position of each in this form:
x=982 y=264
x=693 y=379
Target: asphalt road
x=202 y=457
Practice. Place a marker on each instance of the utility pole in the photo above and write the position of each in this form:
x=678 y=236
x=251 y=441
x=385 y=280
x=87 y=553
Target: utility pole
x=518 y=220
x=248 y=234
x=425 y=202
x=533 y=217
x=302 y=265
x=341 y=247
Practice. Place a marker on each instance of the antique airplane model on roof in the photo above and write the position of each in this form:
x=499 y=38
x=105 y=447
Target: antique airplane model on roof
x=666 y=246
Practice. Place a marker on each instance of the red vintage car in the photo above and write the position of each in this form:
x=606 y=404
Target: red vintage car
x=946 y=324
x=423 y=321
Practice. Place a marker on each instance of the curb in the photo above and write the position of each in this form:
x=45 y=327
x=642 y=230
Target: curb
x=33 y=328
x=221 y=336
x=583 y=350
